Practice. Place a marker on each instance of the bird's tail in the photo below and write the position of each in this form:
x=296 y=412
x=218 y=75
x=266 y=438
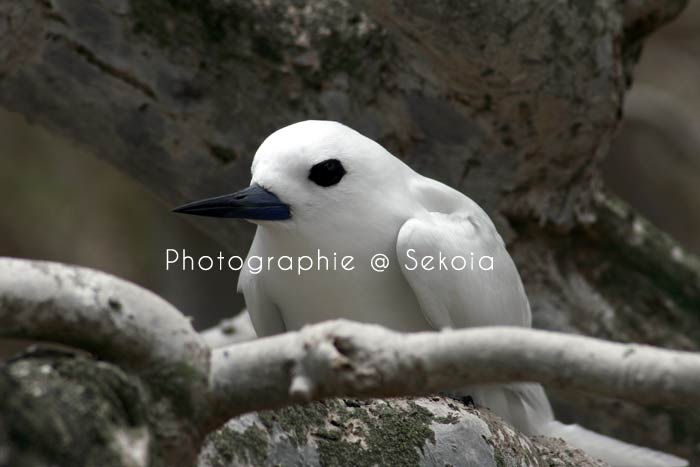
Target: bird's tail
x=526 y=407
x=614 y=452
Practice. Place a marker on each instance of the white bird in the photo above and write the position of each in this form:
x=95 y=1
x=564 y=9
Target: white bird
x=319 y=187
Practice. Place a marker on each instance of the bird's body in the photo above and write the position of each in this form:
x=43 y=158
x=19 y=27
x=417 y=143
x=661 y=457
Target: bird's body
x=312 y=296
x=321 y=188
x=386 y=298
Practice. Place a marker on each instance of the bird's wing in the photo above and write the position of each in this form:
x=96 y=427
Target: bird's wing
x=453 y=225
x=264 y=313
x=486 y=294
x=487 y=291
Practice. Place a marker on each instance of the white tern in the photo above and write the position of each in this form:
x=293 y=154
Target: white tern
x=321 y=188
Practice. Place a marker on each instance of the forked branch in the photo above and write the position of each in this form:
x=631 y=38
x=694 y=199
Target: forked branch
x=127 y=325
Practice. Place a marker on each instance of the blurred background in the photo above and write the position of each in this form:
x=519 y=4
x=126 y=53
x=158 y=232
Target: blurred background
x=80 y=210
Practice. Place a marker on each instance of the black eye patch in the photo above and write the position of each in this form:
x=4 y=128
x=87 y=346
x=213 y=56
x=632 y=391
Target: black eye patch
x=327 y=173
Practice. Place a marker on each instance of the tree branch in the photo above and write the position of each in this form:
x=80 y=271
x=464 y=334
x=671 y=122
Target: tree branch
x=127 y=325
x=112 y=318
x=343 y=358
x=230 y=331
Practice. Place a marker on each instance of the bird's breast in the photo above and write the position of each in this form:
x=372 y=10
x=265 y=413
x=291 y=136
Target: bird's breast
x=343 y=283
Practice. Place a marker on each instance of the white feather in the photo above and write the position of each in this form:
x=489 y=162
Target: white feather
x=614 y=452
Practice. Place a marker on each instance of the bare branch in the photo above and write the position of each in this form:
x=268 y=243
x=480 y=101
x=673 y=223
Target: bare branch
x=230 y=331
x=128 y=325
x=343 y=358
x=97 y=312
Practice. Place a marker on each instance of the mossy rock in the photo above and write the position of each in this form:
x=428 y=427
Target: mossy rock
x=423 y=431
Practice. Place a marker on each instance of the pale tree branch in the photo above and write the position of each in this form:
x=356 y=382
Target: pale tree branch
x=230 y=331
x=127 y=325
x=102 y=314
x=343 y=358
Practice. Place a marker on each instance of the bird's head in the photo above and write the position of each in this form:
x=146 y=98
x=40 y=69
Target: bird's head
x=310 y=172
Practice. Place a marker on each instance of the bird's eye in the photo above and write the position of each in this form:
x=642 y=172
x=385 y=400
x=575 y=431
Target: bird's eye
x=327 y=173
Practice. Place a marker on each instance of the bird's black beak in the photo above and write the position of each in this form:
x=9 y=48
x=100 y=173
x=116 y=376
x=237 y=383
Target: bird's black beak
x=254 y=203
